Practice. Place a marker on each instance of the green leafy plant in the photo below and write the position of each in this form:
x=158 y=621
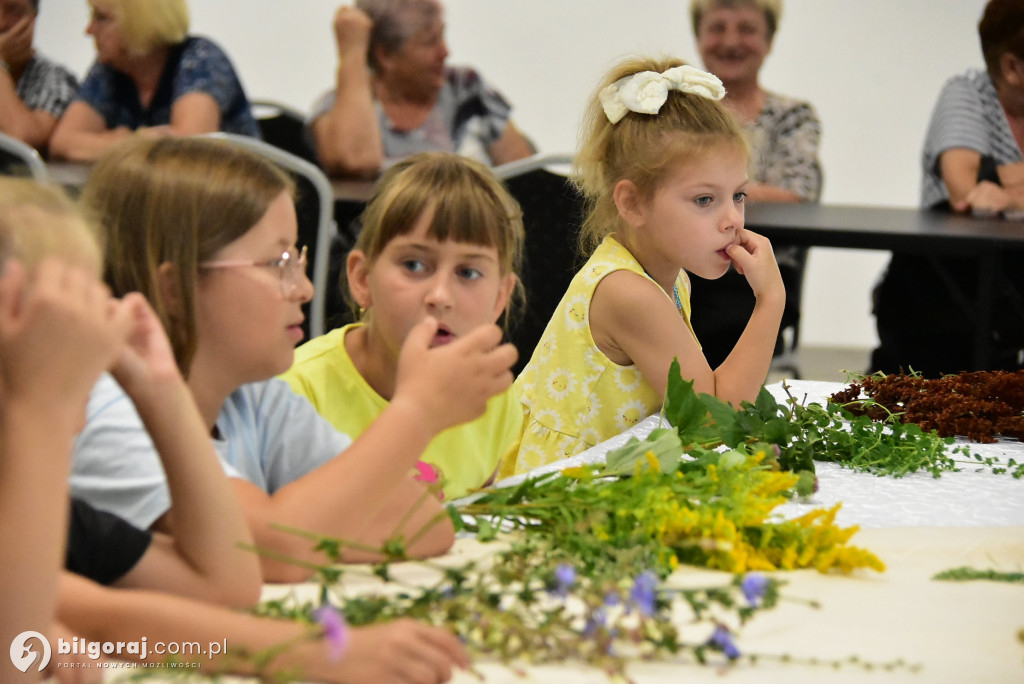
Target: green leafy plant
x=967 y=574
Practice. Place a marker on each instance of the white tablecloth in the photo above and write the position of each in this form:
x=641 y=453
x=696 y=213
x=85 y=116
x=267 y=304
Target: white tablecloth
x=973 y=497
x=960 y=633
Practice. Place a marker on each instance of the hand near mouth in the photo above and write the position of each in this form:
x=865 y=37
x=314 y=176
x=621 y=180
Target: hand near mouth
x=753 y=257
x=451 y=383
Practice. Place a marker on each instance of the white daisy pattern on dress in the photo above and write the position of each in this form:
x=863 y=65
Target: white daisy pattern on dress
x=630 y=413
x=546 y=348
x=548 y=419
x=576 y=311
x=560 y=385
x=628 y=378
x=590 y=437
x=529 y=459
x=592 y=409
x=594 y=273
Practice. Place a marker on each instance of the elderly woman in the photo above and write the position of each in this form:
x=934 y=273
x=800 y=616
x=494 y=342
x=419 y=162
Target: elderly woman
x=734 y=37
x=395 y=96
x=972 y=163
x=150 y=75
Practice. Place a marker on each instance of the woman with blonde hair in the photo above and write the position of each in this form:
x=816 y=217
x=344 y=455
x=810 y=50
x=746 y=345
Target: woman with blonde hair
x=150 y=75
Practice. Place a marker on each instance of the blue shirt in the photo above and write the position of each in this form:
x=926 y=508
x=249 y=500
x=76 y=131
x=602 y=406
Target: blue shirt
x=268 y=435
x=196 y=65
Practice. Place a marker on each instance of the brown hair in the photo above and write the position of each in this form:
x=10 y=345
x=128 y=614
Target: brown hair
x=1001 y=30
x=37 y=221
x=469 y=204
x=176 y=201
x=643 y=148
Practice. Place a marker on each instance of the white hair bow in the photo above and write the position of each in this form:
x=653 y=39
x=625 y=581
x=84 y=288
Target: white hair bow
x=645 y=92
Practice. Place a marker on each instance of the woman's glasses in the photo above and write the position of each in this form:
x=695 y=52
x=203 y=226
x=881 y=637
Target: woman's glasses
x=291 y=268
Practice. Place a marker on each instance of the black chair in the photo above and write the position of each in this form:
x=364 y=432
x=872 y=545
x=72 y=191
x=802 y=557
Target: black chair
x=347 y=214
x=552 y=215
x=284 y=128
x=314 y=206
x=786 y=360
x=19 y=159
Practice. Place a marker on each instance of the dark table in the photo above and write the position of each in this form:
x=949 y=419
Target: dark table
x=914 y=231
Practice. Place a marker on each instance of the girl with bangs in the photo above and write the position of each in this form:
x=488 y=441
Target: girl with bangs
x=441 y=238
x=663 y=169
x=207 y=232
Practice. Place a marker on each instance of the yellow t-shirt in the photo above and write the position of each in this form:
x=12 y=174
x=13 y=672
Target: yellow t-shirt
x=573 y=395
x=466 y=454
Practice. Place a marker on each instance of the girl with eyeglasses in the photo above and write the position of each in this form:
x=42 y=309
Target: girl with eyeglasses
x=59 y=329
x=207 y=232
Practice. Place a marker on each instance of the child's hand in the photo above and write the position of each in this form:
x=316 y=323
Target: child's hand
x=403 y=651
x=59 y=330
x=147 y=357
x=452 y=383
x=754 y=258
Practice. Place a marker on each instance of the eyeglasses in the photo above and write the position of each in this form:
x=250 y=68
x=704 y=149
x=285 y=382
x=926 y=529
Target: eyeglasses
x=291 y=269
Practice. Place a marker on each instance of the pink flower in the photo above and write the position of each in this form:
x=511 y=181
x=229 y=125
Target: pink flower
x=335 y=629
x=425 y=473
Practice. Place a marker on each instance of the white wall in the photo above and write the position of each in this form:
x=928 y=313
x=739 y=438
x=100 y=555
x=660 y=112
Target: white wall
x=871 y=67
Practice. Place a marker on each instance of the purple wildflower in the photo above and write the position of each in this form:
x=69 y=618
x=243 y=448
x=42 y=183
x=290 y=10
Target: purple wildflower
x=596 y=620
x=722 y=641
x=565 y=577
x=754 y=585
x=335 y=629
x=643 y=593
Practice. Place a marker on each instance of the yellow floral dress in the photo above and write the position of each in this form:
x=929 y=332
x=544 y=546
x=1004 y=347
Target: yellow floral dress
x=574 y=396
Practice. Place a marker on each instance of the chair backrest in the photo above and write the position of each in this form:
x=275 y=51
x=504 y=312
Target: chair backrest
x=315 y=209
x=284 y=128
x=552 y=215
x=19 y=159
x=526 y=165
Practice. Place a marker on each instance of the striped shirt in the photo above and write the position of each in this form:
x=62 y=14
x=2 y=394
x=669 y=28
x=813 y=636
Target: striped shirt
x=966 y=115
x=47 y=86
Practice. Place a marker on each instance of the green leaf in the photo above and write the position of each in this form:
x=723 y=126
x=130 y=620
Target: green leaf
x=725 y=420
x=485 y=530
x=765 y=405
x=662 y=442
x=457 y=522
x=682 y=407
